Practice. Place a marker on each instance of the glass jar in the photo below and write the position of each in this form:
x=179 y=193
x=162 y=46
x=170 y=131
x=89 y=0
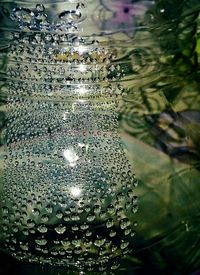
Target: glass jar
x=67 y=188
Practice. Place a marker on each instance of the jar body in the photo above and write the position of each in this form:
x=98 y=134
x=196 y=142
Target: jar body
x=67 y=188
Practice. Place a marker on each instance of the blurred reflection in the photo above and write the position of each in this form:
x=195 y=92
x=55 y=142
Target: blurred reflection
x=71 y=157
x=82 y=90
x=75 y=191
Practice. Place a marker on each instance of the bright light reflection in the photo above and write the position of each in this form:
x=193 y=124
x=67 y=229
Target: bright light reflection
x=82 y=90
x=81 y=100
x=65 y=115
x=71 y=157
x=75 y=191
x=82 y=68
x=81 y=145
x=81 y=49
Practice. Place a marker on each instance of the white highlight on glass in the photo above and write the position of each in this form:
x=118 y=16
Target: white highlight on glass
x=82 y=68
x=75 y=191
x=65 y=115
x=81 y=49
x=82 y=90
x=71 y=157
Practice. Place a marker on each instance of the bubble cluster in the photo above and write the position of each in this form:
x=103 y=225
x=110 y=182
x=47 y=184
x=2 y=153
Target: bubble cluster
x=68 y=189
x=40 y=18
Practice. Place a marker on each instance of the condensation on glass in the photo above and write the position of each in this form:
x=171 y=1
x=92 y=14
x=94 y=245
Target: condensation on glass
x=67 y=193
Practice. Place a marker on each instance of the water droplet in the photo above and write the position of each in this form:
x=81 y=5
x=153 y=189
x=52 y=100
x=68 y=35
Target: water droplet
x=24 y=246
x=5 y=228
x=84 y=226
x=54 y=252
x=25 y=232
x=56 y=241
x=87 y=208
x=124 y=223
x=40 y=8
x=66 y=218
x=22 y=14
x=42 y=228
x=75 y=217
x=111 y=209
x=69 y=250
x=99 y=242
x=61 y=252
x=65 y=242
x=5 y=219
x=5 y=210
x=127 y=231
x=88 y=233
x=60 y=229
x=135 y=209
x=41 y=241
x=115 y=266
x=30 y=223
x=36 y=211
x=90 y=217
x=124 y=245
x=44 y=218
x=102 y=215
x=135 y=200
x=32 y=231
x=112 y=233
x=109 y=223
x=49 y=208
x=120 y=197
x=59 y=214
x=14 y=228
x=69 y=16
x=76 y=242
x=75 y=228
